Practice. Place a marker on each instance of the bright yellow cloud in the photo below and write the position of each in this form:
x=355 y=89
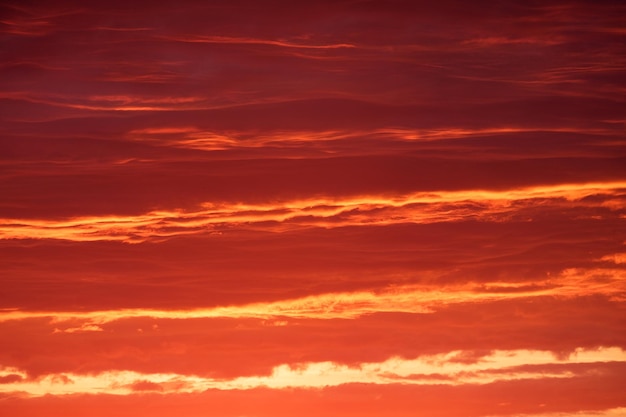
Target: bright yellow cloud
x=440 y=369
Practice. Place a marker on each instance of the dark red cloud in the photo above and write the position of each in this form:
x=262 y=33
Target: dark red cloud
x=261 y=151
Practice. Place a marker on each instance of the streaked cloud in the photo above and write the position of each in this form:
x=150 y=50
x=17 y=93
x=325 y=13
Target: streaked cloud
x=400 y=299
x=438 y=370
x=612 y=412
x=355 y=208
x=253 y=41
x=445 y=206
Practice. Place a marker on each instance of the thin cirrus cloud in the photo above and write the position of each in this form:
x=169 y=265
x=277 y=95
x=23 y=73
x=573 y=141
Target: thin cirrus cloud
x=253 y=41
x=418 y=208
x=354 y=208
x=408 y=299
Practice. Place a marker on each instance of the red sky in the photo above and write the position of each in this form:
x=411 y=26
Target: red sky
x=343 y=208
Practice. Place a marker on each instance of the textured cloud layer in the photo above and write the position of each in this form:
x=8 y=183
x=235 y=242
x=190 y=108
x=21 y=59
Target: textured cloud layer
x=342 y=208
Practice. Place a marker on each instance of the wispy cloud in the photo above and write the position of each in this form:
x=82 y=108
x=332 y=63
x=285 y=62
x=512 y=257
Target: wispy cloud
x=414 y=299
x=443 y=206
x=429 y=370
x=355 y=208
x=253 y=41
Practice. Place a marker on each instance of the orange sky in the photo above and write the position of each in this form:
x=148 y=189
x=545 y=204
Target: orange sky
x=343 y=208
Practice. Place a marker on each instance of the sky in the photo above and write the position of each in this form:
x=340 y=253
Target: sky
x=369 y=208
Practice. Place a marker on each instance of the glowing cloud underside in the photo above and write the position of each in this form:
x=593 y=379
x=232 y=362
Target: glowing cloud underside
x=336 y=208
x=400 y=299
x=421 y=208
x=444 y=369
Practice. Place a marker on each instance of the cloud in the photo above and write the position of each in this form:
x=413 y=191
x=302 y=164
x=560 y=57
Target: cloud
x=496 y=366
x=472 y=401
x=11 y=375
x=611 y=412
x=10 y=378
x=244 y=341
x=370 y=206
x=413 y=299
x=253 y=41
x=145 y=386
x=421 y=208
x=86 y=327
x=243 y=266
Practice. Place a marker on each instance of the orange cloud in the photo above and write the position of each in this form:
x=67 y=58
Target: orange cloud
x=414 y=299
x=190 y=137
x=355 y=208
x=421 y=207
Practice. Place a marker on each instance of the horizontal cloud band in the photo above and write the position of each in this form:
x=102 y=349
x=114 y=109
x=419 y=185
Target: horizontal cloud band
x=451 y=368
x=431 y=207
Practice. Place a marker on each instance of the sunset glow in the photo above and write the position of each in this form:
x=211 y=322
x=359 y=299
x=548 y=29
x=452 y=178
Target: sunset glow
x=371 y=208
